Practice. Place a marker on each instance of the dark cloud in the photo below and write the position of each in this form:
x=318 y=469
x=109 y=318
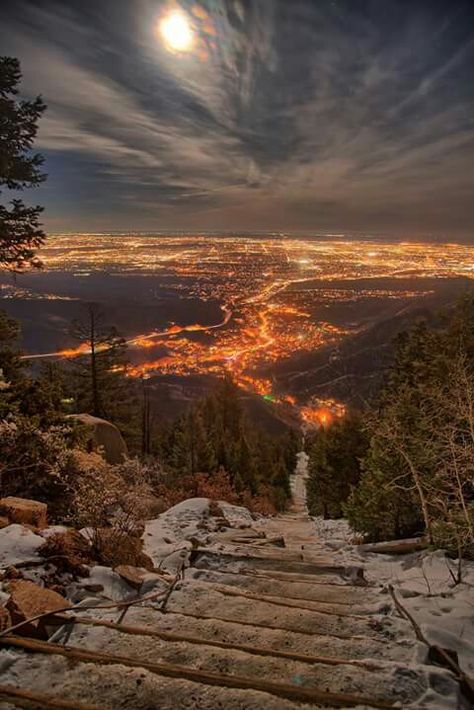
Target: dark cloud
x=333 y=115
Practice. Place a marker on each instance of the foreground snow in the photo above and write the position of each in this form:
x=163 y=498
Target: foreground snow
x=422 y=582
x=424 y=585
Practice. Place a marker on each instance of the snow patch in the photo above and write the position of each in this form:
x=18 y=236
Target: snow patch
x=168 y=539
x=18 y=544
x=422 y=582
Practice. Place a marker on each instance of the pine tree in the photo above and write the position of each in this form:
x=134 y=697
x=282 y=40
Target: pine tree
x=20 y=231
x=99 y=381
x=417 y=475
x=334 y=465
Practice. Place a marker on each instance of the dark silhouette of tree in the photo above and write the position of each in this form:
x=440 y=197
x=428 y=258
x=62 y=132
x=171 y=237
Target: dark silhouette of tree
x=20 y=229
x=417 y=475
x=215 y=434
x=100 y=371
x=334 y=465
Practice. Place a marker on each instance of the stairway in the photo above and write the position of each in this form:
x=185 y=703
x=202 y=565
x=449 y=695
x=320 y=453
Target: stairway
x=247 y=628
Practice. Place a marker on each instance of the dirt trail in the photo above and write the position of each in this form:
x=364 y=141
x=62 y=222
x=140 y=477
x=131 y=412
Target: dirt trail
x=249 y=627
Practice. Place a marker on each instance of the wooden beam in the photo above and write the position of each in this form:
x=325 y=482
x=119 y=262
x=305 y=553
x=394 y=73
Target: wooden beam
x=279 y=578
x=254 y=650
x=38 y=701
x=269 y=600
x=270 y=627
x=296 y=599
x=169 y=670
x=306 y=568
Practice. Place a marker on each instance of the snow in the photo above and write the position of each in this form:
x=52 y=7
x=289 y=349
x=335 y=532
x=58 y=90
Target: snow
x=423 y=584
x=236 y=516
x=18 y=544
x=53 y=530
x=114 y=587
x=169 y=538
x=443 y=610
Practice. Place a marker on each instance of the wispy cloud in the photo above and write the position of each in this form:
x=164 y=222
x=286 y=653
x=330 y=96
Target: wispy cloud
x=288 y=115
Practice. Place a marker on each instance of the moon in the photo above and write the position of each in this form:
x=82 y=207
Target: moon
x=176 y=30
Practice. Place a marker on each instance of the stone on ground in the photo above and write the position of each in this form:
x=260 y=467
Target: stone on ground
x=24 y=511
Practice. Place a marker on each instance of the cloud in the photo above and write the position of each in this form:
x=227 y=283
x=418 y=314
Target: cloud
x=290 y=114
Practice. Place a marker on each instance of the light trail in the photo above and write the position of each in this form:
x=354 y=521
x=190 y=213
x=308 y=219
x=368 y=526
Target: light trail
x=136 y=340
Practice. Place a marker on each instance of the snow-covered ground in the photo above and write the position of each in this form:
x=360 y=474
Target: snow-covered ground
x=422 y=581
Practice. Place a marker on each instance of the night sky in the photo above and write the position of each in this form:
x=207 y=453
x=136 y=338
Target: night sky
x=315 y=115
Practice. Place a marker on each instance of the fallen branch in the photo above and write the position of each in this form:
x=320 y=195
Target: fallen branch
x=113 y=605
x=437 y=653
x=169 y=592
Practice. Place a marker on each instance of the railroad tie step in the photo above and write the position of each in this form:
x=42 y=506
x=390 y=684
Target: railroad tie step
x=281 y=690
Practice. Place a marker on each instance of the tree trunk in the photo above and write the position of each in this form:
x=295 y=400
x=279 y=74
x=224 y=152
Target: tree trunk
x=421 y=495
x=96 y=408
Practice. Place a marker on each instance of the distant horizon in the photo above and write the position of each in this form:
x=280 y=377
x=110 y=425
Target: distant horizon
x=303 y=234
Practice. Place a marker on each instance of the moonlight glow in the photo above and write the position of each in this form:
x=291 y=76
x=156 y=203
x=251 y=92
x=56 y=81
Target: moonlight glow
x=176 y=30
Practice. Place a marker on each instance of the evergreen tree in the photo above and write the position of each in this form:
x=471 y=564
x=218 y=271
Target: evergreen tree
x=20 y=232
x=99 y=377
x=216 y=435
x=418 y=473
x=334 y=465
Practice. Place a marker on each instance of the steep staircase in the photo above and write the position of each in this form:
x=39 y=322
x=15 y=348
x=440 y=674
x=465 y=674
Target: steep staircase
x=248 y=627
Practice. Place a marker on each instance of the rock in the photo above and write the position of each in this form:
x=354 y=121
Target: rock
x=24 y=511
x=103 y=436
x=5 y=619
x=27 y=600
x=93 y=588
x=134 y=576
x=3 y=522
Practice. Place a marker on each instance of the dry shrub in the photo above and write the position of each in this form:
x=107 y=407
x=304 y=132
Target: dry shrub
x=260 y=503
x=69 y=551
x=115 y=546
x=217 y=486
x=111 y=503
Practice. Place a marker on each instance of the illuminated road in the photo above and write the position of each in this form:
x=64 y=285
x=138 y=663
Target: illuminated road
x=139 y=340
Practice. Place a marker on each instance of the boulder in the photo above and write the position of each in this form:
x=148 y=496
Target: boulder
x=104 y=437
x=4 y=522
x=24 y=511
x=27 y=600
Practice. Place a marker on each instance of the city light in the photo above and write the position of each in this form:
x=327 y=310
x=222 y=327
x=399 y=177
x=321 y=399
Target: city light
x=270 y=310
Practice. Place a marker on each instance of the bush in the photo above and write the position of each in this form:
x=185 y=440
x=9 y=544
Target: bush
x=33 y=459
